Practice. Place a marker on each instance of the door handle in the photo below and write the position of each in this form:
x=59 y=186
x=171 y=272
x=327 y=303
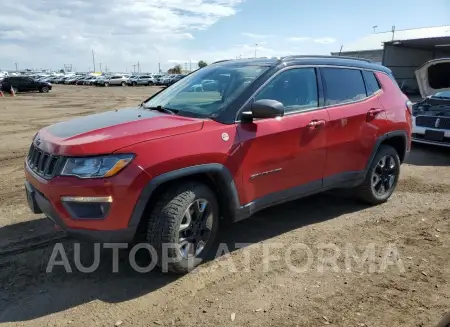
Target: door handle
x=316 y=123
x=374 y=111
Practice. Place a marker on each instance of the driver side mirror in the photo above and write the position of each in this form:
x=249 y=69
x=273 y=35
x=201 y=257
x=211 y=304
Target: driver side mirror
x=264 y=108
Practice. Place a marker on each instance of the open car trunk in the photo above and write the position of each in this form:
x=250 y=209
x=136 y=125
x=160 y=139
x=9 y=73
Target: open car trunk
x=433 y=76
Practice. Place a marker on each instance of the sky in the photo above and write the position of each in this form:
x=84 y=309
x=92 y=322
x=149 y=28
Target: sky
x=50 y=33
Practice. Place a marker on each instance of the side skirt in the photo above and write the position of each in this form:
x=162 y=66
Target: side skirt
x=344 y=180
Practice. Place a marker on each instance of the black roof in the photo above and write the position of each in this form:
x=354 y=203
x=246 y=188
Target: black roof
x=309 y=60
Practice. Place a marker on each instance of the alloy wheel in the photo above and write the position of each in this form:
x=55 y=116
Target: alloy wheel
x=384 y=175
x=195 y=228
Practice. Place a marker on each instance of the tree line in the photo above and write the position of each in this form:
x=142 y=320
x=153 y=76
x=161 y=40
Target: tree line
x=177 y=68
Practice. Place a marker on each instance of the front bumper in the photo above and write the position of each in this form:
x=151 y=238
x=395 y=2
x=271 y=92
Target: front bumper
x=419 y=136
x=38 y=203
x=45 y=196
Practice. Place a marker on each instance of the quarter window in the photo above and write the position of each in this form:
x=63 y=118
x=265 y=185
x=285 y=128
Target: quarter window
x=343 y=85
x=296 y=89
x=372 y=83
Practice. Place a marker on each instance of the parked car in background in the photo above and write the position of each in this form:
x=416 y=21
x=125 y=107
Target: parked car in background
x=81 y=81
x=89 y=80
x=115 y=80
x=431 y=116
x=164 y=80
x=24 y=84
x=275 y=130
x=175 y=79
x=141 y=80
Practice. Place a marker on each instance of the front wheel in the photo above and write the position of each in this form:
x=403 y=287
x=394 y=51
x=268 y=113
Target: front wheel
x=106 y=84
x=183 y=226
x=382 y=177
x=45 y=89
x=124 y=84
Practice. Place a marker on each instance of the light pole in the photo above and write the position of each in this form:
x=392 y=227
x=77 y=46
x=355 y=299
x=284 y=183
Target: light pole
x=256 y=46
x=159 y=60
x=374 y=28
x=93 y=58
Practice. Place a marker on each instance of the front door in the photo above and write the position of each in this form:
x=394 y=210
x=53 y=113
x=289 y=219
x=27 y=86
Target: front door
x=285 y=157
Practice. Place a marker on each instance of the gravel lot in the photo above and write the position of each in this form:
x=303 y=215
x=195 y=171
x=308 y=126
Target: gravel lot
x=411 y=232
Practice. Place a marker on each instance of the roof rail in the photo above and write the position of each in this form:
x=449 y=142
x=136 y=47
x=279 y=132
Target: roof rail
x=216 y=62
x=324 y=56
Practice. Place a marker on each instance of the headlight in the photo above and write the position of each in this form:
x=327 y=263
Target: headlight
x=96 y=167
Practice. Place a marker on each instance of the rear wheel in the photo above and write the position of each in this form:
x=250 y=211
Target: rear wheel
x=185 y=221
x=134 y=83
x=106 y=83
x=382 y=177
x=15 y=89
x=150 y=83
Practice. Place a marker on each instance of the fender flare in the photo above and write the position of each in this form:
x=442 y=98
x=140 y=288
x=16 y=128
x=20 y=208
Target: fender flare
x=383 y=138
x=223 y=179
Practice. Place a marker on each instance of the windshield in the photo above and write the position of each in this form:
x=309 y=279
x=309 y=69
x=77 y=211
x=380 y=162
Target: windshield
x=208 y=90
x=442 y=94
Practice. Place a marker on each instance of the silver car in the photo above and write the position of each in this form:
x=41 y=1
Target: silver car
x=142 y=80
x=431 y=116
x=116 y=80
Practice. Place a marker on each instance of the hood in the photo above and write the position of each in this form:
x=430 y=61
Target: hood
x=433 y=76
x=112 y=130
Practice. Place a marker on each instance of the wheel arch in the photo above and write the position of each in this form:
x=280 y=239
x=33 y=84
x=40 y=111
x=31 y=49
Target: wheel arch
x=397 y=139
x=216 y=176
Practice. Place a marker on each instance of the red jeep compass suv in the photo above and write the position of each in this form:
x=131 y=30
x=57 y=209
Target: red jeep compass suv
x=222 y=143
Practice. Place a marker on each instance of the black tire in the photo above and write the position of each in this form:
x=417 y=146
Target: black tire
x=134 y=83
x=150 y=83
x=106 y=84
x=15 y=89
x=166 y=217
x=366 y=192
x=123 y=84
x=44 y=89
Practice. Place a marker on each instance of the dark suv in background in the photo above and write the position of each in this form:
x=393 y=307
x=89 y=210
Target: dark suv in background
x=24 y=84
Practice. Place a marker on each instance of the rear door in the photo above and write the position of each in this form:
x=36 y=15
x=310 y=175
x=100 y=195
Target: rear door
x=285 y=157
x=357 y=118
x=31 y=84
x=19 y=83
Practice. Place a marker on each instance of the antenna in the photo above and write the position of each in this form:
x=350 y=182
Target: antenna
x=374 y=28
x=393 y=32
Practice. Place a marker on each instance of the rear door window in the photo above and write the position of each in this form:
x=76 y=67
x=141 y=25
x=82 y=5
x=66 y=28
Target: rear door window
x=343 y=85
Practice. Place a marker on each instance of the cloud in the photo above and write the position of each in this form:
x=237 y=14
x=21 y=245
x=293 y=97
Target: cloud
x=120 y=31
x=325 y=40
x=298 y=39
x=255 y=36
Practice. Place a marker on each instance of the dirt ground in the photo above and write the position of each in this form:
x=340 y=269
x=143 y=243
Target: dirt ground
x=405 y=281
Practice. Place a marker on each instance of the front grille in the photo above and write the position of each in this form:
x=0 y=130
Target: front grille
x=430 y=122
x=42 y=163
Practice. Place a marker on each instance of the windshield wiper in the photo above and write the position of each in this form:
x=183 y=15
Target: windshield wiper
x=163 y=109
